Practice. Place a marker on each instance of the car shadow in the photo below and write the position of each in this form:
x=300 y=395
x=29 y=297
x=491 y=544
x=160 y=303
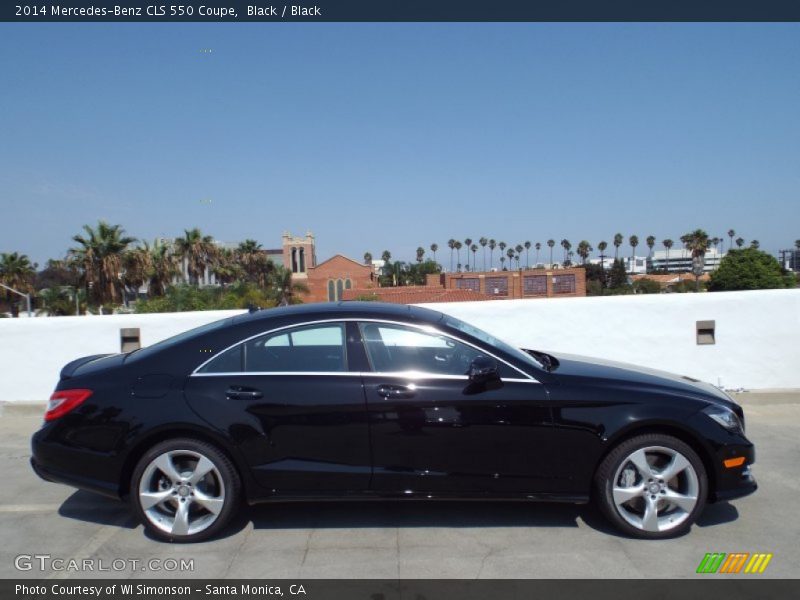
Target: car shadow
x=93 y=508
x=85 y=506
x=717 y=514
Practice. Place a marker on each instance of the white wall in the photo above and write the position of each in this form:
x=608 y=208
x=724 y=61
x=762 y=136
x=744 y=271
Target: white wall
x=757 y=332
x=758 y=335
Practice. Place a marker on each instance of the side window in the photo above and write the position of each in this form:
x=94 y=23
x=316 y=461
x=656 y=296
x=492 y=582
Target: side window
x=394 y=348
x=303 y=349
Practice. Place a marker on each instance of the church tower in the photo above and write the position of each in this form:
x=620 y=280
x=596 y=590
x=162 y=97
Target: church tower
x=299 y=254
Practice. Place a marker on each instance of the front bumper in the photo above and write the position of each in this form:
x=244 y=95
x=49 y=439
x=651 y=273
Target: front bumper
x=737 y=481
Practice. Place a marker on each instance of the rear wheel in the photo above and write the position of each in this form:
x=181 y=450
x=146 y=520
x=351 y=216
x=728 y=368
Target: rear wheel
x=185 y=490
x=652 y=486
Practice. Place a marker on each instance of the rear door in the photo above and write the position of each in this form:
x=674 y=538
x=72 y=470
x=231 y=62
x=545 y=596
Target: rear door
x=290 y=402
x=435 y=432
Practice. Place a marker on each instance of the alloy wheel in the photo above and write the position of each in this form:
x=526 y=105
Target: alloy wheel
x=655 y=489
x=181 y=492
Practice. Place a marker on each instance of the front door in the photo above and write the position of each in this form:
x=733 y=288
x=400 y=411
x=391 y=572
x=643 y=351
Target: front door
x=435 y=432
x=290 y=403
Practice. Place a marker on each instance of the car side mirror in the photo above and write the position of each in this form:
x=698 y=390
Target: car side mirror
x=483 y=369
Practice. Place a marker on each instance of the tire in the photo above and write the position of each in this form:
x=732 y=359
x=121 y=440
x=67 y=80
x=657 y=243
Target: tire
x=652 y=486
x=184 y=490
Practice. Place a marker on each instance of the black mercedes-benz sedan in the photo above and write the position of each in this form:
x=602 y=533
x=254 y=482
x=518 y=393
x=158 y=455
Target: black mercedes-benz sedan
x=375 y=401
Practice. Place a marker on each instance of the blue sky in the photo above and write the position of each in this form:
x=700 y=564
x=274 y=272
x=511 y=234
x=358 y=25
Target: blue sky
x=391 y=136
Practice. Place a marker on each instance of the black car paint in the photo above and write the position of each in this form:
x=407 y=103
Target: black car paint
x=539 y=439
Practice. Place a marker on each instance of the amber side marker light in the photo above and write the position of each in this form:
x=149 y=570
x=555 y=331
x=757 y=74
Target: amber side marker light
x=733 y=462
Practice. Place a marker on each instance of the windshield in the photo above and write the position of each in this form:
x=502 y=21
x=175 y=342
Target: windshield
x=177 y=339
x=491 y=340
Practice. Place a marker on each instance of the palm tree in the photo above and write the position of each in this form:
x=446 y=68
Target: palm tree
x=255 y=264
x=651 y=242
x=527 y=254
x=163 y=268
x=420 y=254
x=467 y=244
x=227 y=268
x=551 y=243
x=98 y=257
x=633 y=241
x=739 y=242
x=697 y=243
x=502 y=246
x=492 y=246
x=565 y=245
x=617 y=243
x=459 y=245
x=451 y=243
x=386 y=256
x=755 y=244
x=367 y=258
x=538 y=247
x=667 y=244
x=284 y=289
x=584 y=248
x=731 y=233
x=434 y=248
x=16 y=271
x=198 y=251
x=483 y=241
x=515 y=254
x=474 y=249
x=136 y=265
x=602 y=247
x=715 y=242
x=502 y=262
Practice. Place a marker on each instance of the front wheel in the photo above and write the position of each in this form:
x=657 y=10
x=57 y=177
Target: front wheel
x=184 y=490
x=652 y=486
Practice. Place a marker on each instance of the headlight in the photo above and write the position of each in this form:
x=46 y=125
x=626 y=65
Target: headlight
x=726 y=418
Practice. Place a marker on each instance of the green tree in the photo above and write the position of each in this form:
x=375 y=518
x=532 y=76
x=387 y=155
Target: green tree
x=285 y=290
x=527 y=245
x=646 y=286
x=483 y=242
x=550 y=244
x=633 y=241
x=368 y=257
x=651 y=242
x=596 y=279
x=697 y=243
x=420 y=254
x=731 y=233
x=467 y=245
x=755 y=244
x=618 y=239
x=602 y=247
x=434 y=248
x=538 y=247
x=459 y=245
x=668 y=243
x=618 y=277
x=451 y=243
x=198 y=250
x=98 y=257
x=492 y=246
x=16 y=271
x=739 y=242
x=584 y=248
x=749 y=269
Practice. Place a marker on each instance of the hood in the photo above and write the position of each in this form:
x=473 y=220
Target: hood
x=599 y=370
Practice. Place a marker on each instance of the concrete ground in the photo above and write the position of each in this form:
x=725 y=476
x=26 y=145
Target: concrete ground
x=407 y=540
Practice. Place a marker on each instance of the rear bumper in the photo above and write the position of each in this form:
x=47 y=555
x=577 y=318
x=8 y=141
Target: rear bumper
x=57 y=463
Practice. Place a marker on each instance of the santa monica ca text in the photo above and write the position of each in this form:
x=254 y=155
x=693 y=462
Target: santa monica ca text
x=141 y=589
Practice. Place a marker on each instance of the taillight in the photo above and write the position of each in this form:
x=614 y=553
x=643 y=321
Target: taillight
x=63 y=401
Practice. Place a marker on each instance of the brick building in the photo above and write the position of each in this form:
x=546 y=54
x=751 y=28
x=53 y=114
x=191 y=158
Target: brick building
x=331 y=279
x=502 y=285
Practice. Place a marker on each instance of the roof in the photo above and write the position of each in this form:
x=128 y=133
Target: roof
x=362 y=265
x=415 y=294
x=667 y=278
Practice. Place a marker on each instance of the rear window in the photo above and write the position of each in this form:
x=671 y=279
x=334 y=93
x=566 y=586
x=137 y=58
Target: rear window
x=178 y=339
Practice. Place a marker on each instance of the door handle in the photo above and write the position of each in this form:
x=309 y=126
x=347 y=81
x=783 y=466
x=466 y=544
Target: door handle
x=395 y=391
x=236 y=392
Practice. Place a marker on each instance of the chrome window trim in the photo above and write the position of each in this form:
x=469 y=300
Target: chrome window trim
x=425 y=328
